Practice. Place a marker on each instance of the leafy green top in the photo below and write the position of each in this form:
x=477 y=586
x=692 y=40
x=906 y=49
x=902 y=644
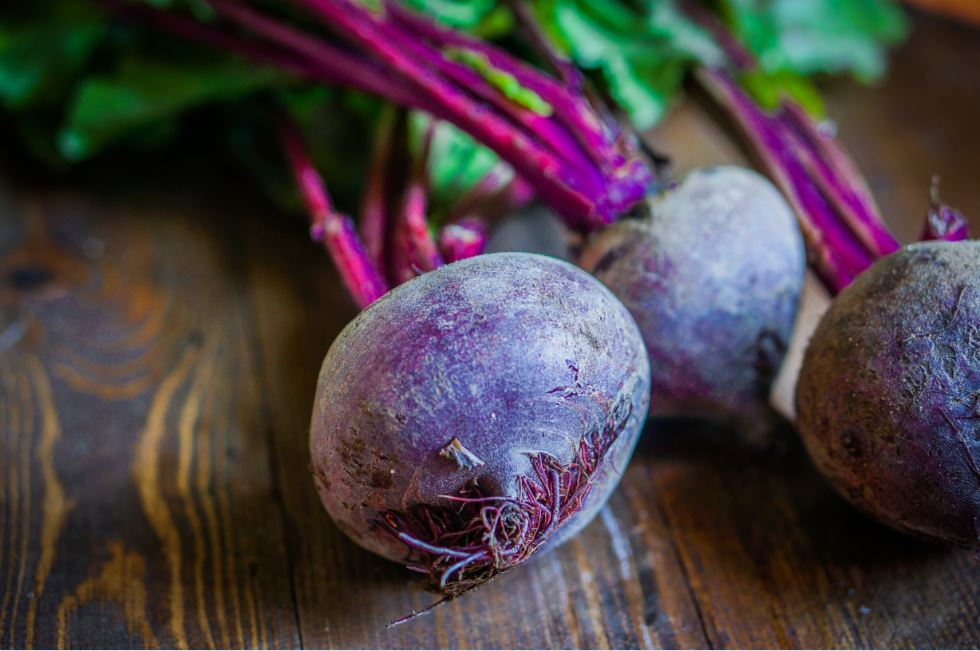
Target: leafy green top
x=642 y=48
x=79 y=80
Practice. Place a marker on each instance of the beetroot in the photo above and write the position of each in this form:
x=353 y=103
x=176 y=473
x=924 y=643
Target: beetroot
x=713 y=278
x=888 y=398
x=478 y=413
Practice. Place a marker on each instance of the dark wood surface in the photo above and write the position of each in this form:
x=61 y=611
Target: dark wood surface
x=159 y=342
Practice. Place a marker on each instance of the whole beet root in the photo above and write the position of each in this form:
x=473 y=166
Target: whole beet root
x=888 y=398
x=478 y=413
x=713 y=278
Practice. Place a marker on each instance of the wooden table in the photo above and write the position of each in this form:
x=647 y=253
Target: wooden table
x=160 y=339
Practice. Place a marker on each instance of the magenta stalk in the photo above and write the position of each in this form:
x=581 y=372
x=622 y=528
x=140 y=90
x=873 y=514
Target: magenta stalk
x=420 y=253
x=834 y=253
x=373 y=222
x=587 y=173
x=335 y=231
x=463 y=239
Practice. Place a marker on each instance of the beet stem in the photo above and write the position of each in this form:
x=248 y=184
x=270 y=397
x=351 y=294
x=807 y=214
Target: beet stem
x=833 y=250
x=558 y=181
x=569 y=75
x=374 y=202
x=464 y=239
x=842 y=226
x=841 y=182
x=349 y=69
x=568 y=103
x=497 y=194
x=588 y=175
x=420 y=253
x=335 y=231
x=623 y=178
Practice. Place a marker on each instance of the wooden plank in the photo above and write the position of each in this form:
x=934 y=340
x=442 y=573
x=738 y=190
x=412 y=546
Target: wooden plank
x=776 y=559
x=137 y=507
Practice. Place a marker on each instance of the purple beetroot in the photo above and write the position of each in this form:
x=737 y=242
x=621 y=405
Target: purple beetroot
x=888 y=399
x=713 y=278
x=478 y=413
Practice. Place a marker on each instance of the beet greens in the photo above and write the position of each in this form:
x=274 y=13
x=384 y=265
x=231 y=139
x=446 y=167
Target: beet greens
x=583 y=167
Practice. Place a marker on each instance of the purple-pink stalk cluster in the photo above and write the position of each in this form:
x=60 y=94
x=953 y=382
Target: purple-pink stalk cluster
x=335 y=230
x=841 y=224
x=394 y=243
x=560 y=149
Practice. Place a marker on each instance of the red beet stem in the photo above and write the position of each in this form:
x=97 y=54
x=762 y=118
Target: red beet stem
x=569 y=75
x=570 y=189
x=834 y=252
x=841 y=181
x=335 y=231
x=586 y=172
x=334 y=62
x=497 y=194
x=463 y=239
x=374 y=202
x=412 y=228
x=572 y=107
x=842 y=226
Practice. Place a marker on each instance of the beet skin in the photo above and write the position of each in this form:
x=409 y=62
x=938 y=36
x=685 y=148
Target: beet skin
x=478 y=413
x=713 y=278
x=888 y=398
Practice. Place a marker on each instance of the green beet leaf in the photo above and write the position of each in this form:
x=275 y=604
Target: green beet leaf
x=41 y=57
x=818 y=36
x=142 y=92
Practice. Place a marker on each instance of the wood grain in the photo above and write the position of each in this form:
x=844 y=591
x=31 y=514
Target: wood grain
x=159 y=344
x=138 y=508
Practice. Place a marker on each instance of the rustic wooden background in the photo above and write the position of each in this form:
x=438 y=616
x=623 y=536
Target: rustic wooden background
x=159 y=340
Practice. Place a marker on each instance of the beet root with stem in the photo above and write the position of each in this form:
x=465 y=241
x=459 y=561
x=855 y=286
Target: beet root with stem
x=713 y=277
x=888 y=399
x=477 y=414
